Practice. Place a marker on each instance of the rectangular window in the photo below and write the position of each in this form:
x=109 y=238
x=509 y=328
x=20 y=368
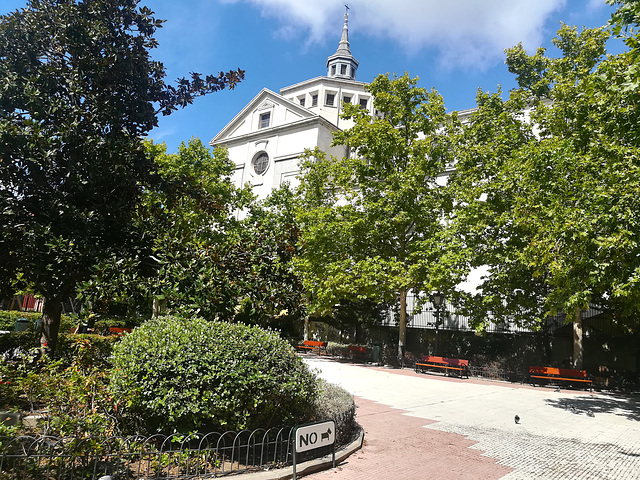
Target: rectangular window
x=343 y=69
x=330 y=98
x=314 y=100
x=333 y=69
x=265 y=119
x=346 y=99
x=363 y=103
x=302 y=101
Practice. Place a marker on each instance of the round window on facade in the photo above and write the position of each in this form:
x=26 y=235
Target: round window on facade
x=261 y=163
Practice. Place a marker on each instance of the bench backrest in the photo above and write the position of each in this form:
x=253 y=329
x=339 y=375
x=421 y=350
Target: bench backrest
x=355 y=349
x=563 y=372
x=449 y=361
x=313 y=343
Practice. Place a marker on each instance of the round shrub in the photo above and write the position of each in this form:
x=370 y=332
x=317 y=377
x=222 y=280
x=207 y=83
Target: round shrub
x=185 y=375
x=337 y=404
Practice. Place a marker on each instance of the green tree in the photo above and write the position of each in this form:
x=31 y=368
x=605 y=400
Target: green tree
x=204 y=261
x=272 y=293
x=483 y=213
x=623 y=22
x=188 y=219
x=79 y=91
x=373 y=223
x=559 y=227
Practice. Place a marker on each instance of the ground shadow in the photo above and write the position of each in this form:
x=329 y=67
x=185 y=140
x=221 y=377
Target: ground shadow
x=627 y=406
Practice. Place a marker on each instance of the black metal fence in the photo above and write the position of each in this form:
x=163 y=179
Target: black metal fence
x=159 y=456
x=426 y=316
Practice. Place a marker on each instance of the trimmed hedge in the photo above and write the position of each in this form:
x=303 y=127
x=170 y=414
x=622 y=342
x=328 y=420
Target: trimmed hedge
x=15 y=342
x=8 y=319
x=89 y=349
x=185 y=375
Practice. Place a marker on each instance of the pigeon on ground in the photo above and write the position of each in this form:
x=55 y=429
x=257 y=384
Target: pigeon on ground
x=590 y=414
x=557 y=390
x=574 y=409
x=517 y=419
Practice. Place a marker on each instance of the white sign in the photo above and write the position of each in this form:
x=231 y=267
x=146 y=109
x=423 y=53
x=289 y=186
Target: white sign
x=315 y=436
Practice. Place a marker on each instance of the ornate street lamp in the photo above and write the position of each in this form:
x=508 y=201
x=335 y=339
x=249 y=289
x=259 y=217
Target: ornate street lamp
x=437 y=299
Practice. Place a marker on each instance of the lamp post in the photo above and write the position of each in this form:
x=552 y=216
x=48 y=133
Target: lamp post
x=437 y=299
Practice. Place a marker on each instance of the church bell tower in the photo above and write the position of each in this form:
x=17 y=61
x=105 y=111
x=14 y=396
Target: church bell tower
x=342 y=64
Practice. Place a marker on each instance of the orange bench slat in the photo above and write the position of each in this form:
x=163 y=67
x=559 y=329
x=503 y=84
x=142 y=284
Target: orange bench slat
x=570 y=379
x=437 y=366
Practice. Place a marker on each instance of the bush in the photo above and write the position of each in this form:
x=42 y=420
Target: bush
x=87 y=349
x=335 y=403
x=8 y=319
x=15 y=343
x=102 y=324
x=74 y=399
x=187 y=375
x=338 y=349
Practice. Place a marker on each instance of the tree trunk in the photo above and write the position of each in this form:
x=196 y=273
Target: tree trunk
x=402 y=337
x=359 y=333
x=306 y=328
x=158 y=307
x=578 y=350
x=51 y=312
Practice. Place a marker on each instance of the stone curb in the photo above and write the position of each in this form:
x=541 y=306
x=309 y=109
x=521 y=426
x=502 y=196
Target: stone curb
x=309 y=467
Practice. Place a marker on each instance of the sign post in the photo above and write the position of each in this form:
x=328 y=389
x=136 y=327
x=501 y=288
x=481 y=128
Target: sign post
x=314 y=435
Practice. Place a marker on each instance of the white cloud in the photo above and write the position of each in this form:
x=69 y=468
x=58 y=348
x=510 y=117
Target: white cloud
x=596 y=5
x=464 y=32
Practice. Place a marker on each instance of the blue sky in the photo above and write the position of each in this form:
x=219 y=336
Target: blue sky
x=454 y=46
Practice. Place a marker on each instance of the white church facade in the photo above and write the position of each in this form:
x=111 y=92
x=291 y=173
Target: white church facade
x=266 y=139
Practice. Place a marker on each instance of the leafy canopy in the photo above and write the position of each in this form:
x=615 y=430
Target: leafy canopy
x=79 y=92
x=204 y=261
x=373 y=223
x=548 y=197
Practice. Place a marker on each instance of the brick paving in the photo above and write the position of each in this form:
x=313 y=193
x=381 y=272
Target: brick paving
x=398 y=446
x=422 y=426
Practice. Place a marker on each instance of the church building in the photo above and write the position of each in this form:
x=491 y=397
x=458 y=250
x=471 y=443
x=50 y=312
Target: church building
x=266 y=139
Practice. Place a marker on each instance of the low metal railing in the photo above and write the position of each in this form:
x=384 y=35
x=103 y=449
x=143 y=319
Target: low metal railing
x=175 y=457
x=159 y=456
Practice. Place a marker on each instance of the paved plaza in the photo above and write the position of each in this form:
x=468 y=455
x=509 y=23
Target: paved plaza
x=426 y=426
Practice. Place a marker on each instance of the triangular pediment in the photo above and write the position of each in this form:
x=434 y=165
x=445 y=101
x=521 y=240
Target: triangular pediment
x=268 y=110
x=266 y=105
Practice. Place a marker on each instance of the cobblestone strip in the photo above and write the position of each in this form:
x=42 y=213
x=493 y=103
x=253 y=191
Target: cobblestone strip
x=545 y=457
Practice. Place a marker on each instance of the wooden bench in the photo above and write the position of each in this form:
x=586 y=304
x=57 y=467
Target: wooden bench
x=552 y=374
x=118 y=331
x=449 y=365
x=358 y=352
x=313 y=346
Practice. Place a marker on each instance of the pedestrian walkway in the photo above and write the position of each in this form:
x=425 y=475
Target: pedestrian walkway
x=422 y=426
